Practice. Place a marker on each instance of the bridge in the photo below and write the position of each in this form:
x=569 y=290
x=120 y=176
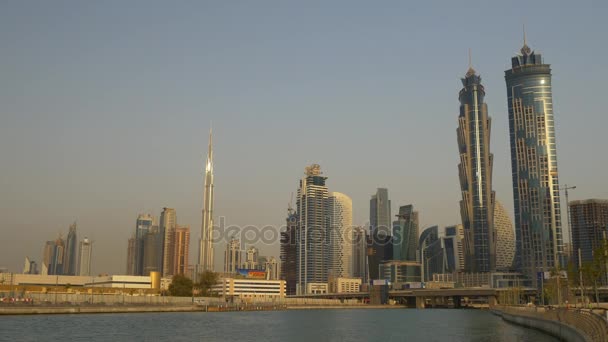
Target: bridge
x=421 y=298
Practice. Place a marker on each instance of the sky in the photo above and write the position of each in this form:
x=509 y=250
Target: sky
x=106 y=107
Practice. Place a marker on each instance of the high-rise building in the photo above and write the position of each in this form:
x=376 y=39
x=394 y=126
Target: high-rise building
x=85 y=252
x=427 y=239
x=251 y=258
x=47 y=257
x=288 y=252
x=340 y=235
x=181 y=248
x=168 y=223
x=273 y=268
x=538 y=226
x=57 y=266
x=152 y=251
x=505 y=238
x=380 y=231
x=589 y=224
x=131 y=255
x=454 y=249
x=311 y=229
x=475 y=172
x=143 y=226
x=380 y=212
x=360 y=253
x=205 y=252
x=232 y=256
x=405 y=234
x=70 y=256
x=30 y=266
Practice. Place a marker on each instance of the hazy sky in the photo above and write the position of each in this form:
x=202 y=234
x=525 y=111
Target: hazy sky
x=105 y=108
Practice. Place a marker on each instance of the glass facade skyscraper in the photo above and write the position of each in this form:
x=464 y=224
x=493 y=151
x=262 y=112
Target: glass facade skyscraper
x=312 y=213
x=340 y=234
x=475 y=172
x=380 y=231
x=538 y=226
x=405 y=234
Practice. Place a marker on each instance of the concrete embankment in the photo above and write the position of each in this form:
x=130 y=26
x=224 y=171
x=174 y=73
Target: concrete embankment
x=567 y=325
x=47 y=310
x=35 y=310
x=365 y=306
x=553 y=328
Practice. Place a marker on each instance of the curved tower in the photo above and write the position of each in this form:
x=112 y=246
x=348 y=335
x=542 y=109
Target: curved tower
x=505 y=238
x=340 y=258
x=475 y=172
x=538 y=227
x=205 y=255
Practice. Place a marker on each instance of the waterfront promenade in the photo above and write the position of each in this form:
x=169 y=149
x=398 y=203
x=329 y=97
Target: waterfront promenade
x=568 y=324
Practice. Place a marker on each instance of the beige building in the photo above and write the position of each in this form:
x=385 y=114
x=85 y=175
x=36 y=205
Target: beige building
x=168 y=224
x=181 y=248
x=317 y=288
x=344 y=285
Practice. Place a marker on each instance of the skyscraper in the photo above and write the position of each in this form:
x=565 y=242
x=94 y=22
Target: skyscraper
x=380 y=231
x=181 y=248
x=288 y=252
x=538 y=227
x=251 y=258
x=453 y=244
x=475 y=172
x=143 y=226
x=273 y=268
x=205 y=252
x=505 y=238
x=232 y=256
x=311 y=228
x=340 y=235
x=70 y=256
x=360 y=253
x=405 y=236
x=85 y=251
x=57 y=266
x=131 y=255
x=428 y=238
x=380 y=212
x=152 y=251
x=589 y=220
x=168 y=222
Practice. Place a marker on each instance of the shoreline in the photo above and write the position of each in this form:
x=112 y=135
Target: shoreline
x=69 y=310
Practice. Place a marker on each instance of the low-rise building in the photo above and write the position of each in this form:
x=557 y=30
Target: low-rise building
x=317 y=288
x=250 y=288
x=401 y=272
x=344 y=285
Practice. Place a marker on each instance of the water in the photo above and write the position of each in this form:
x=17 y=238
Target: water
x=294 y=325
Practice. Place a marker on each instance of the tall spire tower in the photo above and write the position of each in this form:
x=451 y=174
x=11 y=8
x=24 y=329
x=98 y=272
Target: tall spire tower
x=475 y=173
x=205 y=253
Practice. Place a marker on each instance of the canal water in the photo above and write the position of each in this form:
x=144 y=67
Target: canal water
x=292 y=325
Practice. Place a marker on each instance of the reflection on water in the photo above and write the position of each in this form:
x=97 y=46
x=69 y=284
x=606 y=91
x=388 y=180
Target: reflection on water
x=298 y=325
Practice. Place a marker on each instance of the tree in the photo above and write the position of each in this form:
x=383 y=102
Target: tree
x=181 y=286
x=206 y=281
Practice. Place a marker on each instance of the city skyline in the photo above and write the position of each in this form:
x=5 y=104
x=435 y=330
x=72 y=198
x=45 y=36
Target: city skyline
x=100 y=179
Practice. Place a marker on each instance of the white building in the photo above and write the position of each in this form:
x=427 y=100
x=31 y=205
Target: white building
x=250 y=288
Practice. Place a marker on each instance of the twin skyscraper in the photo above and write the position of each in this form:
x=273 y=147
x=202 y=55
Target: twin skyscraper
x=538 y=230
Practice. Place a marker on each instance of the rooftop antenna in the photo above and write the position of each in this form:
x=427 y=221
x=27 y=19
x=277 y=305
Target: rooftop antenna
x=525 y=40
x=470 y=63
